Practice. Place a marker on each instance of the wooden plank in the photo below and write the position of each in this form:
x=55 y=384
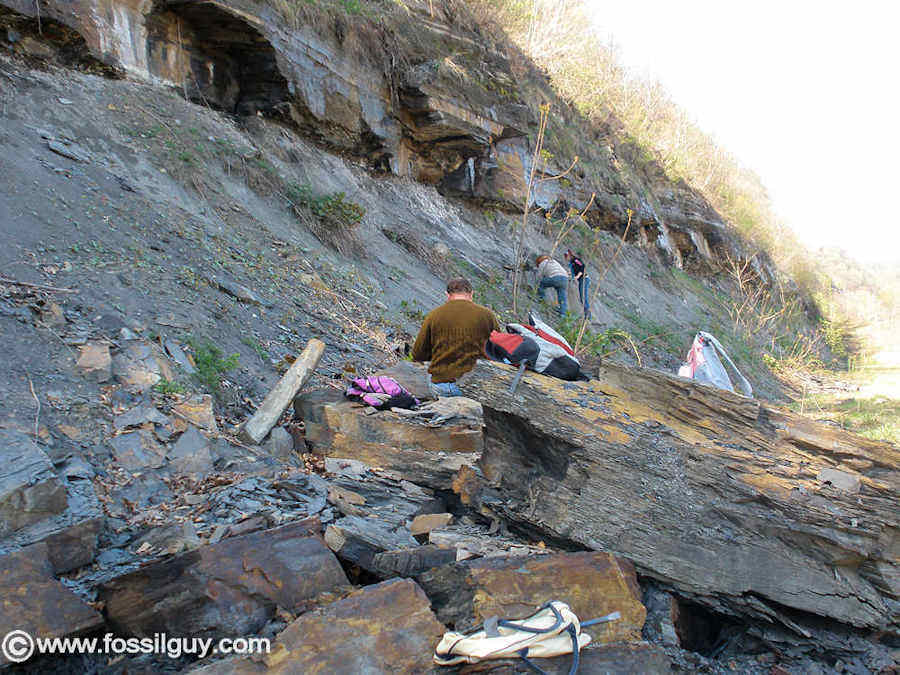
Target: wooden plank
x=283 y=393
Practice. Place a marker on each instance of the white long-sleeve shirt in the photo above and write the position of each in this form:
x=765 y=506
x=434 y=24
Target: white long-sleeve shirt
x=550 y=268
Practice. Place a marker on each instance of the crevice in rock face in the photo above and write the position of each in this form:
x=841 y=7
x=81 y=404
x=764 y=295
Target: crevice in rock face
x=700 y=630
x=217 y=58
x=47 y=41
x=537 y=454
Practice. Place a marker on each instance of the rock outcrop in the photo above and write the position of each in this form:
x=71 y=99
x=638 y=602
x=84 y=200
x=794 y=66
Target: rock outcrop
x=31 y=600
x=720 y=496
x=228 y=588
x=39 y=505
x=465 y=594
x=384 y=628
x=431 y=448
x=416 y=93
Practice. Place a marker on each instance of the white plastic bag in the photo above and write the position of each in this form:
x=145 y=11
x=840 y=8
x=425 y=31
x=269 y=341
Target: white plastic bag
x=703 y=365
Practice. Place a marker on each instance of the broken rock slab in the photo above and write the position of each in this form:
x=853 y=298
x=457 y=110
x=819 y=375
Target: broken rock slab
x=140 y=365
x=71 y=537
x=226 y=589
x=139 y=415
x=425 y=523
x=593 y=584
x=29 y=488
x=403 y=444
x=191 y=454
x=138 y=450
x=280 y=443
x=470 y=541
x=359 y=540
x=411 y=562
x=94 y=361
x=197 y=410
x=31 y=600
x=237 y=291
x=385 y=628
x=714 y=494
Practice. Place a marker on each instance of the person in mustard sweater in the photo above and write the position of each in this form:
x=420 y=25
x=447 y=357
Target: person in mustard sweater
x=452 y=337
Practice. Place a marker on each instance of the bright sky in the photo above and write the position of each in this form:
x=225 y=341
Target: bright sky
x=807 y=94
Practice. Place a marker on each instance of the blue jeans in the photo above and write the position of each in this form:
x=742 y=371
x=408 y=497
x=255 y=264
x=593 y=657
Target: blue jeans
x=584 y=294
x=444 y=389
x=561 y=284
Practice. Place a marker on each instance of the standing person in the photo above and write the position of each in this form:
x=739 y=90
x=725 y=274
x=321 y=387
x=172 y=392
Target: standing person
x=579 y=274
x=552 y=275
x=452 y=337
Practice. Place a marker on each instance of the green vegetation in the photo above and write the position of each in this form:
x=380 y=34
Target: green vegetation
x=596 y=344
x=413 y=310
x=877 y=418
x=169 y=387
x=333 y=209
x=588 y=72
x=255 y=345
x=333 y=219
x=211 y=364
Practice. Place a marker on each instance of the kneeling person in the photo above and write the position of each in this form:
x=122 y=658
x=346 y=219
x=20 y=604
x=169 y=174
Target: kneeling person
x=452 y=337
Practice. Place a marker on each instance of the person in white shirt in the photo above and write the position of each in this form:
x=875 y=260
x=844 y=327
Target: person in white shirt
x=551 y=274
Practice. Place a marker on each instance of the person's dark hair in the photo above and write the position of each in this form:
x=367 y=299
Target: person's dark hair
x=459 y=285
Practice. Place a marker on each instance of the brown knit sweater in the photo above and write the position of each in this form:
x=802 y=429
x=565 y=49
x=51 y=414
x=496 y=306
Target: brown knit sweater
x=452 y=338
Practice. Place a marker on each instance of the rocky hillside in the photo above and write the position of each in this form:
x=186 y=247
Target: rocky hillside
x=190 y=191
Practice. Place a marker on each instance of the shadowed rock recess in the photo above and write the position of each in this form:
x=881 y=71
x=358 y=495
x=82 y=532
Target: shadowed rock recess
x=176 y=176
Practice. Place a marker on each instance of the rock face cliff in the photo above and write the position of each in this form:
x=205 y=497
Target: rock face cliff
x=181 y=182
x=419 y=90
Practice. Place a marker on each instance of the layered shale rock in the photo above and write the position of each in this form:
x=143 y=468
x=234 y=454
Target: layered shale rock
x=31 y=600
x=593 y=584
x=417 y=93
x=717 y=495
x=30 y=490
x=385 y=628
x=229 y=588
x=418 y=447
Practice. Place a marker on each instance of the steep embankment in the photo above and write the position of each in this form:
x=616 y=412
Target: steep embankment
x=240 y=177
x=428 y=122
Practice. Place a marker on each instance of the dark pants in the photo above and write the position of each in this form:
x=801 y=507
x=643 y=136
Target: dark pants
x=584 y=294
x=561 y=284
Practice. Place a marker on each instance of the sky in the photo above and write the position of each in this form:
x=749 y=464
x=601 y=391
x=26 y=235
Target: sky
x=807 y=94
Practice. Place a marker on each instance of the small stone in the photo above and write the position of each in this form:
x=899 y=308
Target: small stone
x=140 y=415
x=53 y=315
x=94 y=361
x=138 y=450
x=425 y=523
x=70 y=151
x=177 y=354
x=280 y=443
x=191 y=454
x=198 y=410
x=141 y=366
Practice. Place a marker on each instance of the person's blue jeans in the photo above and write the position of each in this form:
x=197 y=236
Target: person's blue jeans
x=584 y=294
x=444 y=389
x=561 y=284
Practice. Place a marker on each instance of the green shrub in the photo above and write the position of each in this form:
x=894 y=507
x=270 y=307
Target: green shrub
x=169 y=387
x=211 y=364
x=334 y=217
